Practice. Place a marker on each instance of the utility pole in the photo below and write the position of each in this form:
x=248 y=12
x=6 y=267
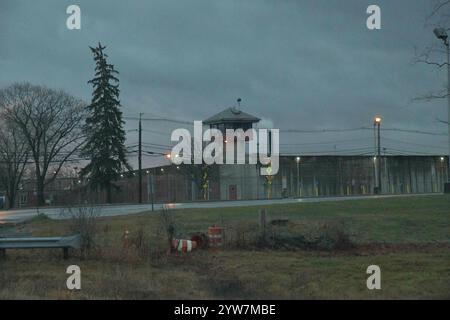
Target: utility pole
x=379 y=157
x=377 y=122
x=441 y=34
x=446 y=42
x=258 y=173
x=447 y=185
x=140 y=158
x=297 y=160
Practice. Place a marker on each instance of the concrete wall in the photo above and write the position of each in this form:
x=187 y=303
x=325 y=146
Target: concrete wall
x=317 y=176
x=338 y=176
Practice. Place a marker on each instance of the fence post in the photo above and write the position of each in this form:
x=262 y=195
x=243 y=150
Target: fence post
x=65 y=253
x=262 y=223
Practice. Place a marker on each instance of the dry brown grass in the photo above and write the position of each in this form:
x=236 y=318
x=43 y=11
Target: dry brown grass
x=242 y=269
x=228 y=274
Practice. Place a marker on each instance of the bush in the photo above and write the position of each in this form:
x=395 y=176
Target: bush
x=334 y=237
x=322 y=236
x=240 y=235
x=40 y=217
x=140 y=243
x=167 y=226
x=83 y=221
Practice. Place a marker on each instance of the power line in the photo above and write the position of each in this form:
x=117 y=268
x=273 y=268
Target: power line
x=157 y=132
x=362 y=128
x=415 y=131
x=158 y=145
x=409 y=152
x=335 y=151
x=325 y=142
x=150 y=131
x=159 y=119
x=322 y=130
x=51 y=161
x=415 y=144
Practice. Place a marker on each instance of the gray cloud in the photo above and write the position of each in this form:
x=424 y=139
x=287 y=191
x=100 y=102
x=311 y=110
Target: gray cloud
x=301 y=64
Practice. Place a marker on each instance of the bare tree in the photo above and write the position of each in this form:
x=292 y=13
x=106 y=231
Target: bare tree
x=435 y=53
x=83 y=221
x=13 y=159
x=439 y=15
x=50 y=121
x=201 y=175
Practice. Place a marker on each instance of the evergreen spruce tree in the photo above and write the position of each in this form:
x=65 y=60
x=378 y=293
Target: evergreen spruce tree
x=104 y=128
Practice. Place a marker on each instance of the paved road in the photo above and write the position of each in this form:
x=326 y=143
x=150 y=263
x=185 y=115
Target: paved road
x=117 y=210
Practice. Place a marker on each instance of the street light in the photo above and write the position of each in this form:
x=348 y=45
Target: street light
x=441 y=34
x=297 y=159
x=377 y=123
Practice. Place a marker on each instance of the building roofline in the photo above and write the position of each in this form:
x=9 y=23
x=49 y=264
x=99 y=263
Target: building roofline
x=231 y=115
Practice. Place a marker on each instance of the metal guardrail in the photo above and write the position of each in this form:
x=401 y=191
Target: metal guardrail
x=41 y=243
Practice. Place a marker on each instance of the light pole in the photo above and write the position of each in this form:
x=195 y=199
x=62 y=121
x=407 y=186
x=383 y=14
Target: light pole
x=150 y=191
x=140 y=157
x=377 y=123
x=297 y=159
x=441 y=34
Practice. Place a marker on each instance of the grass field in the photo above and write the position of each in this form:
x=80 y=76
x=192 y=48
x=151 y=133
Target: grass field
x=409 y=238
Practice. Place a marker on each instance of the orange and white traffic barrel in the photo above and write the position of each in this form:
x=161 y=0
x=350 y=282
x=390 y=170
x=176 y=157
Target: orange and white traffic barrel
x=215 y=236
x=182 y=245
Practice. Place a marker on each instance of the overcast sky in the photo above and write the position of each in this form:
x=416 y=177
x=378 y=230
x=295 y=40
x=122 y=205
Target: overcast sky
x=299 y=64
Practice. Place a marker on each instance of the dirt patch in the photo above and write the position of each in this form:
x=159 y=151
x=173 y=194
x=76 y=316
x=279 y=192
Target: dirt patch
x=15 y=230
x=372 y=249
x=384 y=248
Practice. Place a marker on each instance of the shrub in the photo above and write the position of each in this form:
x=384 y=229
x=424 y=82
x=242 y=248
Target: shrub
x=322 y=236
x=334 y=237
x=40 y=217
x=167 y=226
x=83 y=221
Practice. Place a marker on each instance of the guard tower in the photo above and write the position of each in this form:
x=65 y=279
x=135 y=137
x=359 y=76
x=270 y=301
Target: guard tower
x=231 y=118
x=236 y=181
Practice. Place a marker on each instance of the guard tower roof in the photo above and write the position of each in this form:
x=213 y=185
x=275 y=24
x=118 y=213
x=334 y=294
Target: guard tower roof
x=231 y=115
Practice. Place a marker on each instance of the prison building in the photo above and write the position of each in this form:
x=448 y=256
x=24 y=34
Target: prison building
x=310 y=176
x=299 y=175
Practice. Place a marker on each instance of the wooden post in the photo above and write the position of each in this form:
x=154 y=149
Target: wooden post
x=125 y=239
x=65 y=253
x=262 y=223
x=2 y=253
